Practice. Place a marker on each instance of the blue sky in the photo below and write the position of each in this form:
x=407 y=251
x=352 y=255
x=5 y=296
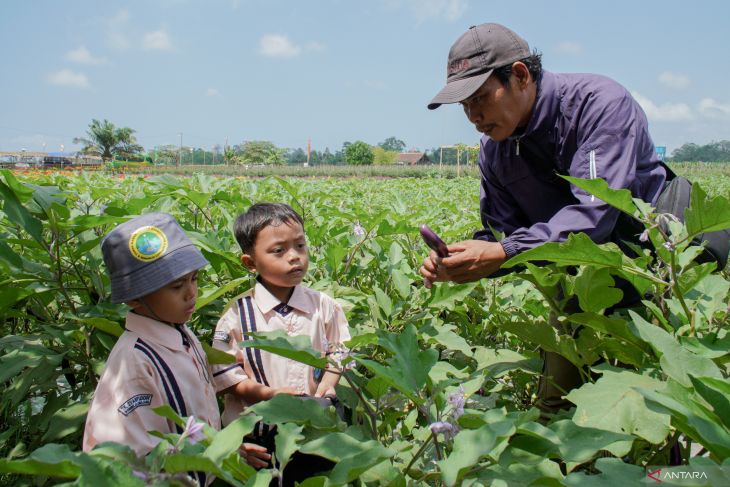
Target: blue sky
x=332 y=70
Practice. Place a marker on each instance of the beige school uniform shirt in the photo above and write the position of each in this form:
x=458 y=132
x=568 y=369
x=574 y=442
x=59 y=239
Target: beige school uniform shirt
x=151 y=364
x=308 y=312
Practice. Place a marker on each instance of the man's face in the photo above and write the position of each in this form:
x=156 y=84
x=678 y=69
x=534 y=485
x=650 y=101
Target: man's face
x=496 y=110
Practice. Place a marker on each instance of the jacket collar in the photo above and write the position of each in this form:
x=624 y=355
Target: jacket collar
x=155 y=331
x=266 y=301
x=546 y=108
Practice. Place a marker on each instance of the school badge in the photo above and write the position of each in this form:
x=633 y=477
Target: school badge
x=147 y=243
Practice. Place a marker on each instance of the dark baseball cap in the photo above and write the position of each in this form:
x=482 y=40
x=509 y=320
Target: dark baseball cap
x=473 y=58
x=146 y=253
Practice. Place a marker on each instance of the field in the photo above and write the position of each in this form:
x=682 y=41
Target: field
x=440 y=382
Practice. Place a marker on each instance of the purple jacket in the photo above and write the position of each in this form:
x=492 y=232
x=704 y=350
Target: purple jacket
x=582 y=125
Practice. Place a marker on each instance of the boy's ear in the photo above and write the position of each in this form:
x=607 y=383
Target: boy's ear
x=248 y=261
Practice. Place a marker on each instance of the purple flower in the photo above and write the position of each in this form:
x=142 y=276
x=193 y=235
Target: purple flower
x=644 y=237
x=457 y=400
x=340 y=354
x=669 y=245
x=358 y=230
x=140 y=475
x=448 y=429
x=193 y=431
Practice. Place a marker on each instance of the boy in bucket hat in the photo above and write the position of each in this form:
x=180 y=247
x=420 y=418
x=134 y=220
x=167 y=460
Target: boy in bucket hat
x=534 y=124
x=158 y=360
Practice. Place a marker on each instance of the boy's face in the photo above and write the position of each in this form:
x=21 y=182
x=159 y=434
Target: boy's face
x=280 y=257
x=173 y=303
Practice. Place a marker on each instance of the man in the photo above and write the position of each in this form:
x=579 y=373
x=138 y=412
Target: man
x=537 y=124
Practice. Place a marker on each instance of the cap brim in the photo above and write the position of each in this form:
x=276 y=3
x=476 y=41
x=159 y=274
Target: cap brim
x=157 y=274
x=459 y=90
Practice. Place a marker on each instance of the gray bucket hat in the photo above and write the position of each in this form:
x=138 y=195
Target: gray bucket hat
x=473 y=58
x=146 y=253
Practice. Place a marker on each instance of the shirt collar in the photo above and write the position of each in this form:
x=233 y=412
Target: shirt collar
x=155 y=331
x=267 y=301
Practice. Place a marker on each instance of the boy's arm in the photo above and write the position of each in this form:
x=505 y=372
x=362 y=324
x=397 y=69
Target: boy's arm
x=336 y=331
x=253 y=392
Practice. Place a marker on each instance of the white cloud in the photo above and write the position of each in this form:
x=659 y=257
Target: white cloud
x=158 y=40
x=714 y=109
x=117 y=28
x=677 y=81
x=274 y=45
x=668 y=112
x=82 y=55
x=66 y=77
x=570 y=48
x=211 y=92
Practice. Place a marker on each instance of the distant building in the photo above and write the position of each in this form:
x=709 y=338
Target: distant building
x=412 y=158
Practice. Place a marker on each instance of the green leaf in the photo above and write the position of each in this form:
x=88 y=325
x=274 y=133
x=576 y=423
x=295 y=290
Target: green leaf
x=446 y=295
x=469 y=447
x=49 y=460
x=66 y=421
x=288 y=439
x=613 y=404
x=284 y=408
x=297 y=348
x=579 y=444
x=218 y=291
x=217 y=357
x=408 y=367
x=614 y=472
x=351 y=467
x=227 y=440
x=717 y=394
x=384 y=302
x=18 y=214
x=595 y=289
x=618 y=198
x=676 y=361
x=706 y=214
x=168 y=413
x=690 y=417
x=617 y=327
x=103 y=324
x=579 y=249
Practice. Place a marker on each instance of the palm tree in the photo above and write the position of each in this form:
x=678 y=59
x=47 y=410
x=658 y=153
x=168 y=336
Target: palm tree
x=107 y=141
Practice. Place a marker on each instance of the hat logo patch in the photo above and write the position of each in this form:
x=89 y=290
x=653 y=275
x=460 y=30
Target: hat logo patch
x=147 y=243
x=458 y=65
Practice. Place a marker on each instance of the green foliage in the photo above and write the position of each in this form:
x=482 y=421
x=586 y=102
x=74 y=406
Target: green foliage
x=654 y=374
x=713 y=152
x=359 y=154
x=261 y=152
x=382 y=157
x=391 y=144
x=107 y=141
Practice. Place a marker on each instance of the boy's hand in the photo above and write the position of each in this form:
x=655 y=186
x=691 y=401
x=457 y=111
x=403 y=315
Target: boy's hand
x=325 y=390
x=255 y=455
x=284 y=390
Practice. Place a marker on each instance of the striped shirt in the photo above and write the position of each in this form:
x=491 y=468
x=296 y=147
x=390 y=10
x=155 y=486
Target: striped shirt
x=152 y=364
x=308 y=313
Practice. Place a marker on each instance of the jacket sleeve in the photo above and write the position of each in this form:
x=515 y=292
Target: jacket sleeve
x=226 y=338
x=122 y=408
x=610 y=139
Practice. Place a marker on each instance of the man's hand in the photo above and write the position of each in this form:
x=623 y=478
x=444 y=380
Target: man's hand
x=255 y=455
x=468 y=261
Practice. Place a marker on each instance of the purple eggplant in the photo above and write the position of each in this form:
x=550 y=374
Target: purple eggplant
x=433 y=241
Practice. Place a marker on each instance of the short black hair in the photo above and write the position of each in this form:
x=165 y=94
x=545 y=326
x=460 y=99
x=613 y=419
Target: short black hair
x=533 y=63
x=261 y=215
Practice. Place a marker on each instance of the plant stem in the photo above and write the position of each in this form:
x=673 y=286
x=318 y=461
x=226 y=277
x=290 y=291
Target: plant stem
x=680 y=296
x=366 y=406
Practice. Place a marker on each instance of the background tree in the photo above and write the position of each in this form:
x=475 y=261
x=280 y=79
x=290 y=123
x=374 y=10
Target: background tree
x=229 y=156
x=105 y=140
x=382 y=157
x=712 y=152
x=165 y=154
x=262 y=152
x=296 y=156
x=359 y=153
x=392 y=144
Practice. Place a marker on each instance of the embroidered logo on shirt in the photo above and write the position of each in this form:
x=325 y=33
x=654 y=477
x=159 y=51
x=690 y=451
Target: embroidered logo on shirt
x=222 y=336
x=135 y=402
x=283 y=309
x=147 y=243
